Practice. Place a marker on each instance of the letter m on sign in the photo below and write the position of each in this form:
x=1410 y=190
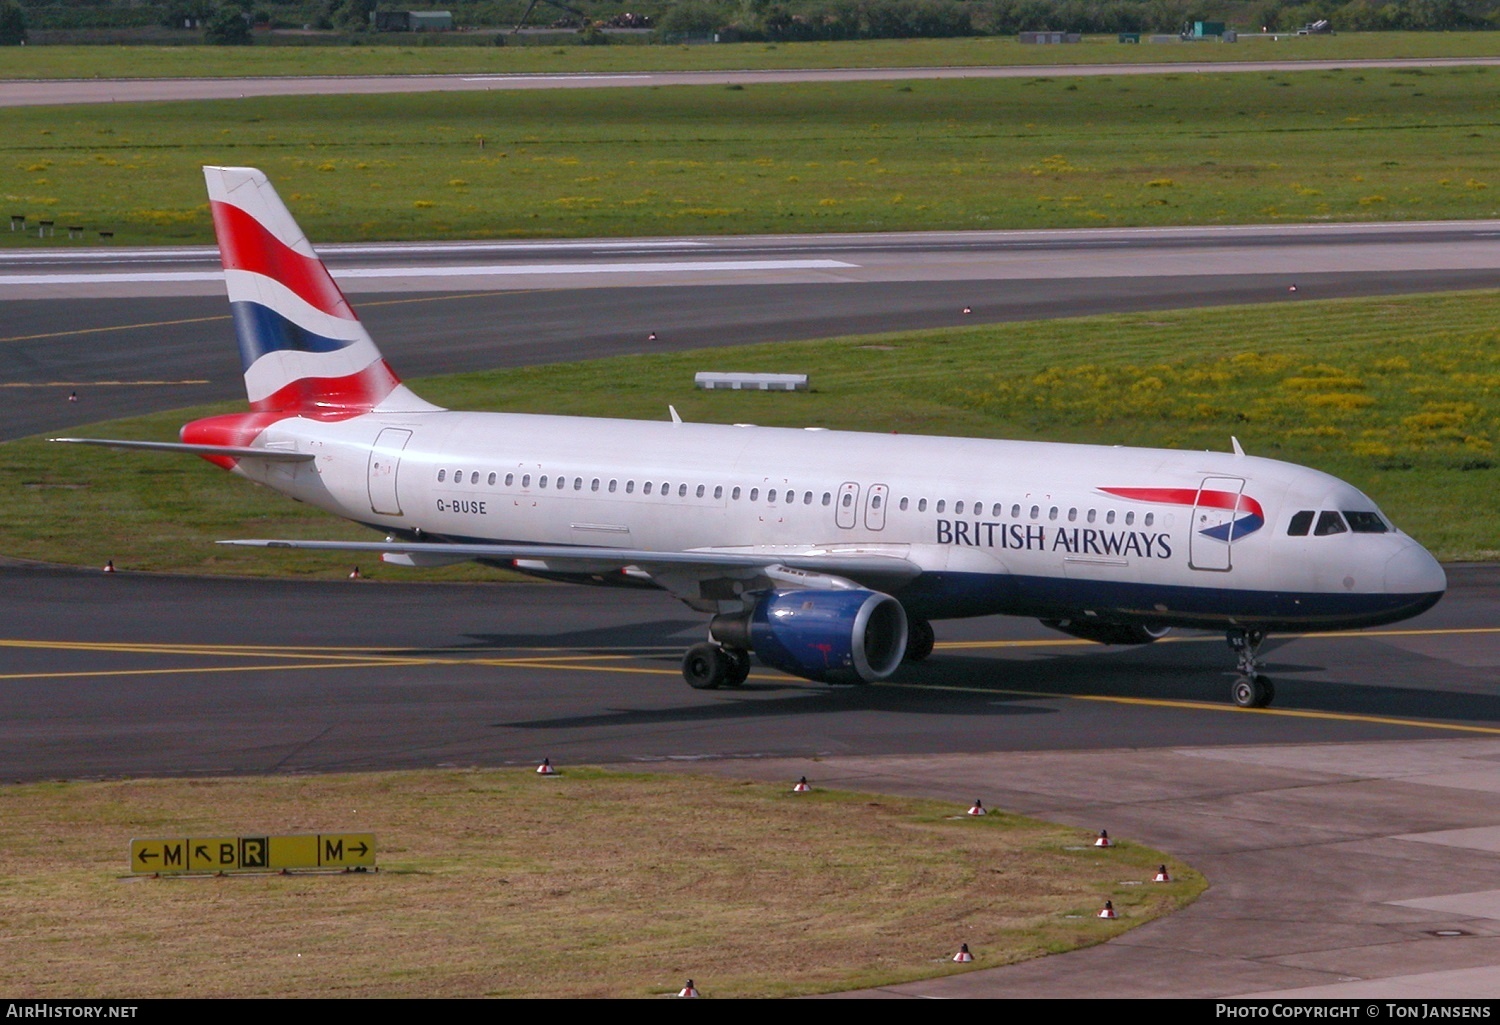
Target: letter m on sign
x=333 y=850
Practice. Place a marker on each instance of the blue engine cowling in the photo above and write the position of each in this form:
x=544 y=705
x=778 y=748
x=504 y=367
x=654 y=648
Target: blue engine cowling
x=831 y=636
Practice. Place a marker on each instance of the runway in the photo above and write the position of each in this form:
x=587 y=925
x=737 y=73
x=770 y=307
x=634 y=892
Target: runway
x=18 y=93
x=137 y=331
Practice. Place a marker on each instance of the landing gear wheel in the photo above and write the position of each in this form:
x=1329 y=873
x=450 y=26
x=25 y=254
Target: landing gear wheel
x=739 y=666
x=919 y=640
x=706 y=667
x=1254 y=691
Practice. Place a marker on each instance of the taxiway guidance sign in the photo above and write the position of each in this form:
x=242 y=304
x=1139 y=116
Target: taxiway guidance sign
x=253 y=853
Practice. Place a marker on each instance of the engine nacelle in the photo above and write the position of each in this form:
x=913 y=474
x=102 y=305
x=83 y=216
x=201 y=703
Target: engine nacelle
x=848 y=636
x=1108 y=633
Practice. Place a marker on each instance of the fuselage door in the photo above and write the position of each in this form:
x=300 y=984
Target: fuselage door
x=1211 y=536
x=846 y=509
x=875 y=501
x=385 y=461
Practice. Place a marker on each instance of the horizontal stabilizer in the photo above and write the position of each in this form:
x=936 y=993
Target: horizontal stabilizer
x=229 y=451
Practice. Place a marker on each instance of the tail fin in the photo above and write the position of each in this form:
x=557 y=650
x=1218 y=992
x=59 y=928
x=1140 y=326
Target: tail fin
x=303 y=349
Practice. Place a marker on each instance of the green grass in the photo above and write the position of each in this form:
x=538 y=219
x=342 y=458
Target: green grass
x=591 y=884
x=1039 y=152
x=1399 y=396
x=262 y=60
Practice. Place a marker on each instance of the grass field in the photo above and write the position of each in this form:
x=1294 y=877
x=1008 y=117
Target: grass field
x=1041 y=152
x=591 y=884
x=252 y=61
x=1399 y=396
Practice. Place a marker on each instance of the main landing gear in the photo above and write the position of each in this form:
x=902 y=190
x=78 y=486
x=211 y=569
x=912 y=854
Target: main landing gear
x=1252 y=688
x=919 y=640
x=710 y=666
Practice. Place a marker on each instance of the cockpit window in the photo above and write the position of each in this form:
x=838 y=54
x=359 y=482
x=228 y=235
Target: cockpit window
x=1301 y=524
x=1365 y=522
x=1329 y=522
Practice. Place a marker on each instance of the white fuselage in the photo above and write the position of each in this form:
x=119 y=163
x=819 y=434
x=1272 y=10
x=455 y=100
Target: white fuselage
x=996 y=526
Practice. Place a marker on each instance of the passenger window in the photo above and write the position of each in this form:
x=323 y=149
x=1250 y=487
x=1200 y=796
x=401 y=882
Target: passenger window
x=646 y=488
x=1052 y=513
x=1301 y=524
x=526 y=481
x=958 y=509
x=1072 y=515
x=577 y=483
x=510 y=479
x=995 y=512
x=875 y=502
x=1150 y=519
x=1015 y=512
x=441 y=475
x=827 y=498
x=904 y=502
x=1129 y=518
x=1329 y=522
x=666 y=488
x=1036 y=511
x=492 y=480
x=1091 y=515
x=630 y=487
x=771 y=496
x=755 y=495
x=1365 y=522
x=1109 y=517
x=848 y=500
x=718 y=491
x=807 y=498
x=594 y=485
x=700 y=491
x=922 y=505
x=614 y=483
x=474 y=477
x=542 y=481
x=561 y=482
x=942 y=503
x=735 y=494
x=682 y=491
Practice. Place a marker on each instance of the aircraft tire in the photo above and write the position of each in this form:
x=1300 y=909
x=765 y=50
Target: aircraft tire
x=706 y=667
x=1253 y=691
x=919 y=640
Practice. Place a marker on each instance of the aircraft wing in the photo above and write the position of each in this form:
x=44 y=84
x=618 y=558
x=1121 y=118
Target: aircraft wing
x=702 y=577
x=231 y=451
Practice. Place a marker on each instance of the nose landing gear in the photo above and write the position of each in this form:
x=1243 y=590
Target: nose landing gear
x=1252 y=688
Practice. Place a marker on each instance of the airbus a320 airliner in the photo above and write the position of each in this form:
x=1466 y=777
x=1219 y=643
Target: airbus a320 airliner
x=826 y=554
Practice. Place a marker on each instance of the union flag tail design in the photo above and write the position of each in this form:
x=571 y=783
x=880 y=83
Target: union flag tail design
x=303 y=349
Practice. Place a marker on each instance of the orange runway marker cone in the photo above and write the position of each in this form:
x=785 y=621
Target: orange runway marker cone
x=801 y=787
x=1104 y=840
x=688 y=991
x=1108 y=911
x=978 y=808
x=1161 y=876
x=546 y=769
x=963 y=956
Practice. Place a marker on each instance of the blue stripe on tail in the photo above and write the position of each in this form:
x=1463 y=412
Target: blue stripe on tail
x=261 y=329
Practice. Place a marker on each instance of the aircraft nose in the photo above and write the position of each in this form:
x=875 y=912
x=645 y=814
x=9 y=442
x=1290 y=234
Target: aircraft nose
x=1413 y=570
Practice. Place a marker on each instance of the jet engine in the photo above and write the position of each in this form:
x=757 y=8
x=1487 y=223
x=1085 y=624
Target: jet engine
x=852 y=636
x=1108 y=633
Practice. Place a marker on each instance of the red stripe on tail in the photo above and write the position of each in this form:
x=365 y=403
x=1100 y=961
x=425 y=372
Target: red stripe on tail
x=245 y=244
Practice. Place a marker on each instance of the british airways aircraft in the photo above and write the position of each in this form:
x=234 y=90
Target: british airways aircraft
x=826 y=554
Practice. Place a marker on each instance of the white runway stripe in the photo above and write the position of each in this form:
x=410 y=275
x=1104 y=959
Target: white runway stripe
x=639 y=267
